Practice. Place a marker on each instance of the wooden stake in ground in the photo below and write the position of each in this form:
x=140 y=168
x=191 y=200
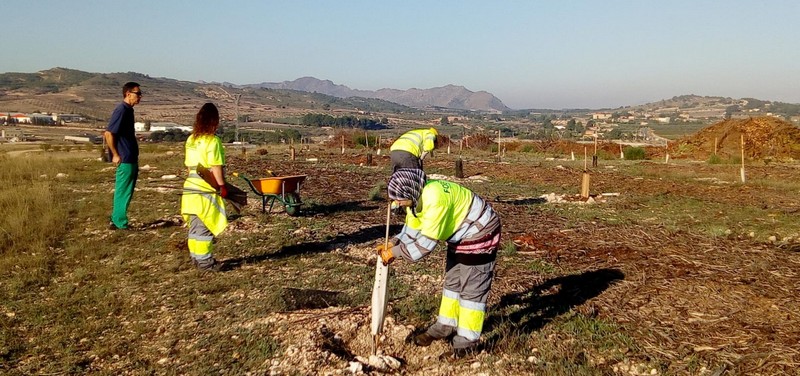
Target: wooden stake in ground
x=742 y=171
x=379 y=290
x=594 y=156
x=291 y=152
x=448 y=146
x=621 y=153
x=585 y=177
x=499 y=145
x=342 y=145
x=715 y=146
x=666 y=153
x=378 y=143
x=459 y=168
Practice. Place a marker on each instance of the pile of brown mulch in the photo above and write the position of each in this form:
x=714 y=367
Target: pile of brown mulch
x=764 y=138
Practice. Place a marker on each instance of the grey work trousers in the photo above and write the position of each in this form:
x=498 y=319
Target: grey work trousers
x=463 y=308
x=404 y=159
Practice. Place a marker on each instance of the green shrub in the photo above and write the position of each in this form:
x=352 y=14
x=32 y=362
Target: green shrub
x=508 y=248
x=714 y=159
x=635 y=154
x=376 y=193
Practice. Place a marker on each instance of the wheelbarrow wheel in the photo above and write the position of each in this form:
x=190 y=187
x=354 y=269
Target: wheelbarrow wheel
x=292 y=203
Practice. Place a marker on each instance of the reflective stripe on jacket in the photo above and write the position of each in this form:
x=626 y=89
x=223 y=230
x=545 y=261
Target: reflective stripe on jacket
x=415 y=142
x=449 y=212
x=199 y=197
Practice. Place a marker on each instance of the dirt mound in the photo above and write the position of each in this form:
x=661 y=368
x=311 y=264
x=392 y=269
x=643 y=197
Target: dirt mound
x=764 y=137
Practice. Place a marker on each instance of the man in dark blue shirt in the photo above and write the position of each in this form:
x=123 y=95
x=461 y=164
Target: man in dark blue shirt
x=120 y=137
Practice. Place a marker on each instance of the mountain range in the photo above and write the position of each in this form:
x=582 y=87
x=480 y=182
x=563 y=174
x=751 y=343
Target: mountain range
x=449 y=96
x=64 y=90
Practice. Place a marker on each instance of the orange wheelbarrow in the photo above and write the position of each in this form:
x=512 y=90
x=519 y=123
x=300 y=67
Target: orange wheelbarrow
x=284 y=189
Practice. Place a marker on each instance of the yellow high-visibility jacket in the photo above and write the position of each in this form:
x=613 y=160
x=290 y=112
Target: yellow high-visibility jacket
x=415 y=142
x=199 y=197
x=449 y=212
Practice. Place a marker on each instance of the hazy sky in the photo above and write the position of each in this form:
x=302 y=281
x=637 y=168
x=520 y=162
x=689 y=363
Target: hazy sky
x=530 y=54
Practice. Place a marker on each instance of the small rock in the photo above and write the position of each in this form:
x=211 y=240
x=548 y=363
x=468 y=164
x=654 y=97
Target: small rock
x=169 y=177
x=654 y=371
x=163 y=361
x=392 y=362
x=61 y=175
x=475 y=365
x=772 y=239
x=533 y=359
x=170 y=152
x=377 y=362
x=355 y=367
x=43 y=176
x=145 y=167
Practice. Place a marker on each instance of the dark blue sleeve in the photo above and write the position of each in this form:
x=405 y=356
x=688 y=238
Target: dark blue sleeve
x=116 y=119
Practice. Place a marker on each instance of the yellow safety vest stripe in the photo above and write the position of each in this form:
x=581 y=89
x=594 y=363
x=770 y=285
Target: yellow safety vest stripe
x=415 y=142
x=470 y=322
x=200 y=247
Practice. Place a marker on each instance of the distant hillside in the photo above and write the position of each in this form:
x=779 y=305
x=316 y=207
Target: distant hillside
x=94 y=95
x=450 y=96
x=696 y=106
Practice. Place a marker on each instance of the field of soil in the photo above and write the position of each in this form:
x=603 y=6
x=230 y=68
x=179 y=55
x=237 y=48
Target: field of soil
x=692 y=303
x=668 y=269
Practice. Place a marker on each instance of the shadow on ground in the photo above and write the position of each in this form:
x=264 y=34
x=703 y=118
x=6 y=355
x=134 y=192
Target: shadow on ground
x=339 y=207
x=527 y=311
x=522 y=201
x=361 y=236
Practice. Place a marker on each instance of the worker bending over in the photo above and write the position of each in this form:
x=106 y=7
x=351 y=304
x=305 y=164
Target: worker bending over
x=441 y=210
x=412 y=147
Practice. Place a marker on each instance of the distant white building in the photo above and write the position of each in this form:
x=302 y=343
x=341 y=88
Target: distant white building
x=601 y=115
x=68 y=118
x=155 y=127
x=21 y=118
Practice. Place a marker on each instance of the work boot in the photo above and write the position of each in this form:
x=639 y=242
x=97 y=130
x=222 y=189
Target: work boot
x=423 y=339
x=113 y=227
x=208 y=265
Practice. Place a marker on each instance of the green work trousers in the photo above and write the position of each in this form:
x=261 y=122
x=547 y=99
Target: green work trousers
x=127 y=173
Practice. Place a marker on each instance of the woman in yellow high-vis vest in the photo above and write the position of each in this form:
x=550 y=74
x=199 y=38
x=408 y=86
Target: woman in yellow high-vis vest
x=441 y=210
x=202 y=205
